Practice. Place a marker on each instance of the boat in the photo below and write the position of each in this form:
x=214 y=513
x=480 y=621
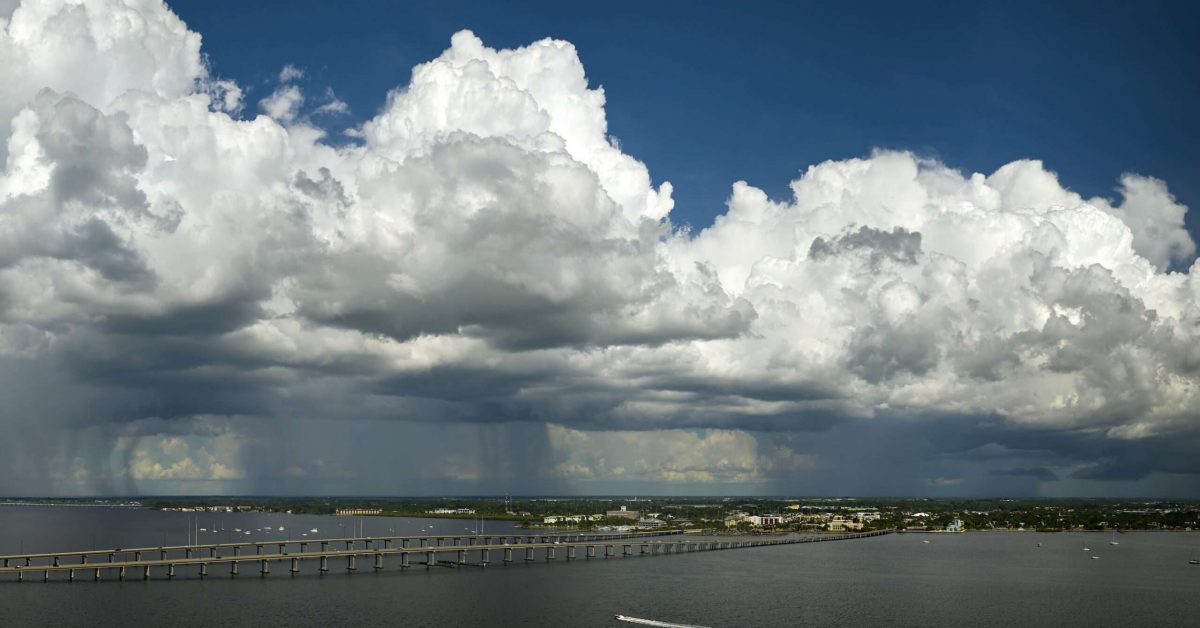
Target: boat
x=652 y=622
x=1095 y=558
x=314 y=530
x=1194 y=561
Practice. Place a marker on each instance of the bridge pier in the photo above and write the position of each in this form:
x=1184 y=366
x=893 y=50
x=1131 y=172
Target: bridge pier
x=233 y=567
x=430 y=559
x=203 y=570
x=71 y=575
x=550 y=553
x=571 y=552
x=591 y=551
x=96 y=575
x=378 y=561
x=404 y=561
x=295 y=565
x=483 y=557
x=55 y=561
x=608 y=551
x=529 y=554
x=350 y=563
x=171 y=570
x=265 y=568
x=507 y=555
x=462 y=557
x=146 y=572
x=324 y=564
x=120 y=573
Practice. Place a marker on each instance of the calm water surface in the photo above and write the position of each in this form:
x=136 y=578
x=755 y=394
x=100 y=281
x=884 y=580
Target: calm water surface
x=973 y=579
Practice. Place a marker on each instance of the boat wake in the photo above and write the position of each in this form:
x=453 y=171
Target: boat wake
x=653 y=622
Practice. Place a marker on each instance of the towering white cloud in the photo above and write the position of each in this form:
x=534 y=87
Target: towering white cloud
x=485 y=253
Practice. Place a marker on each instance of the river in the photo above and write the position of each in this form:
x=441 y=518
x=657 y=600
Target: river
x=970 y=579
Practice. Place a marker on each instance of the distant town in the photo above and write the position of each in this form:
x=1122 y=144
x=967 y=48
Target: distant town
x=729 y=514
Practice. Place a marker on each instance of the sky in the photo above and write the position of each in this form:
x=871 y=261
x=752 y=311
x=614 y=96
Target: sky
x=654 y=248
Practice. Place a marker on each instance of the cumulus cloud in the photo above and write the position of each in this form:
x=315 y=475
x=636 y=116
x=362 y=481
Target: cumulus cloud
x=488 y=262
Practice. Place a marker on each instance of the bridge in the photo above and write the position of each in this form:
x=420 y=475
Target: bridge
x=432 y=549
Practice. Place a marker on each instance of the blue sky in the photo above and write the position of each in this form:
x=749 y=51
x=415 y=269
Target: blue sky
x=707 y=93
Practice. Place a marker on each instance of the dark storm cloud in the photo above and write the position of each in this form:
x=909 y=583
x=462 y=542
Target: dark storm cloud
x=1038 y=473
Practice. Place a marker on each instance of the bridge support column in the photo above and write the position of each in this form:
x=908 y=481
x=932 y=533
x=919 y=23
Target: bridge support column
x=212 y=552
x=608 y=551
x=203 y=570
x=55 y=561
x=111 y=556
x=187 y=552
x=550 y=553
x=265 y=568
x=507 y=555
x=387 y=544
x=591 y=551
x=430 y=559
x=404 y=560
x=626 y=550
x=483 y=557
x=162 y=554
x=643 y=549
x=120 y=573
x=350 y=563
x=324 y=564
x=571 y=553
x=295 y=565
x=146 y=572
x=20 y=576
x=45 y=576
x=171 y=570
x=96 y=575
x=233 y=567
x=462 y=557
x=378 y=561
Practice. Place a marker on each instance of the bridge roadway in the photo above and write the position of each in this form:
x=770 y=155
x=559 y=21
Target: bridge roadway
x=431 y=552
x=164 y=551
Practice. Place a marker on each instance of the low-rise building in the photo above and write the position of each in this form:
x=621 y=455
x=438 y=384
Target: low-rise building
x=623 y=513
x=358 y=511
x=765 y=521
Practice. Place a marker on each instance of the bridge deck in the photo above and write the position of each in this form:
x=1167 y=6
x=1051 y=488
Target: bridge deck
x=645 y=546
x=329 y=541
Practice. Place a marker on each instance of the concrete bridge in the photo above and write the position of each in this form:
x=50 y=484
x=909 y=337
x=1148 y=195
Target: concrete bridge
x=429 y=551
